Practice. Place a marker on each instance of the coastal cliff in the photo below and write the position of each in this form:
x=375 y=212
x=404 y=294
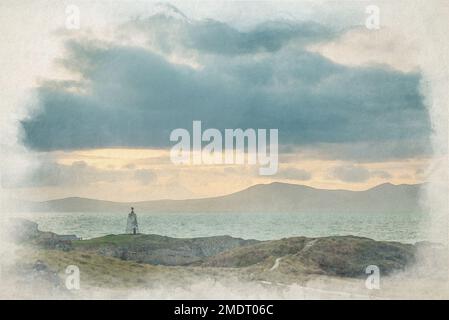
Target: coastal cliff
x=346 y=256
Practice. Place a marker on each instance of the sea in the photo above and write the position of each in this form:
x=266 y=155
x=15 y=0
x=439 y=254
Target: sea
x=402 y=227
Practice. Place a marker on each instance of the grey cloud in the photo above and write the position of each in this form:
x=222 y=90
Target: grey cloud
x=380 y=174
x=364 y=151
x=51 y=174
x=145 y=176
x=135 y=97
x=350 y=173
x=356 y=174
x=294 y=174
x=79 y=173
x=218 y=38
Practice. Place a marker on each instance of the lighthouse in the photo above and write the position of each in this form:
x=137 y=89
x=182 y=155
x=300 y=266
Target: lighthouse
x=131 y=226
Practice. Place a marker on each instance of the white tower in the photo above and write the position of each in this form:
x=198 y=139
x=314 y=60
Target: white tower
x=131 y=226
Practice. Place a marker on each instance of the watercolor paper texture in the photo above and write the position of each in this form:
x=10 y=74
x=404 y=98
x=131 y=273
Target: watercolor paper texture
x=224 y=149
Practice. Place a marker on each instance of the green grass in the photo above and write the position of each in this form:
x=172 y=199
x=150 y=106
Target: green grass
x=108 y=272
x=96 y=270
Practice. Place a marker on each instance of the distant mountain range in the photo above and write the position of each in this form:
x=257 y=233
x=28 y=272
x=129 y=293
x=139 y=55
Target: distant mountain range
x=273 y=197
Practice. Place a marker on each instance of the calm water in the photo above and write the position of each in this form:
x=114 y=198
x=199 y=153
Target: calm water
x=405 y=228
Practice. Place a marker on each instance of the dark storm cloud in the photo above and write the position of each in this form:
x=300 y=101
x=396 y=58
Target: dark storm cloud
x=263 y=78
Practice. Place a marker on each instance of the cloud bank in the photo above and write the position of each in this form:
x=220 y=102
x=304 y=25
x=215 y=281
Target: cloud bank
x=264 y=77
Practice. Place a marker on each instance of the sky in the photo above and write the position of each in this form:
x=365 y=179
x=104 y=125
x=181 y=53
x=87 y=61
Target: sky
x=91 y=109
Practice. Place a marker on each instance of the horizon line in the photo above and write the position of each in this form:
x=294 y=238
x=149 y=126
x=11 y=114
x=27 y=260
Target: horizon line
x=224 y=195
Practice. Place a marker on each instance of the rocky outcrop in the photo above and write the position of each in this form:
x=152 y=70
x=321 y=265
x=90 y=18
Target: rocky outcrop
x=27 y=232
x=155 y=249
x=346 y=256
x=22 y=230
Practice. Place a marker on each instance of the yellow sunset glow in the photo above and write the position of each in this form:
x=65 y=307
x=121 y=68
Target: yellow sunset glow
x=116 y=174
